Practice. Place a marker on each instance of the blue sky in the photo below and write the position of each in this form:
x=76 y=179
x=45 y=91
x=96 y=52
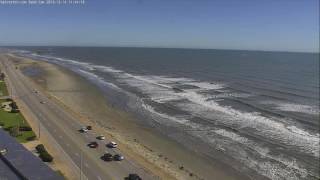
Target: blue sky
x=282 y=25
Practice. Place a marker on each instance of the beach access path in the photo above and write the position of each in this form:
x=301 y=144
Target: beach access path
x=60 y=128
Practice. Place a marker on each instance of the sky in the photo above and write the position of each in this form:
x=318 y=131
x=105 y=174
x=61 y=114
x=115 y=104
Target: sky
x=271 y=25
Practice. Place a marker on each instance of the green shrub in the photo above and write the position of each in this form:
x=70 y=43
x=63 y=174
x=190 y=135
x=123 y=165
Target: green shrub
x=15 y=110
x=40 y=148
x=14 y=131
x=31 y=138
x=46 y=157
x=7 y=128
x=9 y=99
x=25 y=128
x=13 y=105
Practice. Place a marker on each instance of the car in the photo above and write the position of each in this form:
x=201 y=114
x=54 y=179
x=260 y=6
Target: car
x=35 y=91
x=101 y=137
x=93 y=144
x=42 y=102
x=107 y=157
x=4 y=151
x=118 y=157
x=112 y=144
x=89 y=127
x=83 y=130
x=133 y=177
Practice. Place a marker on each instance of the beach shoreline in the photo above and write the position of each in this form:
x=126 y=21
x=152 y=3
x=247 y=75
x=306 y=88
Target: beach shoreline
x=160 y=155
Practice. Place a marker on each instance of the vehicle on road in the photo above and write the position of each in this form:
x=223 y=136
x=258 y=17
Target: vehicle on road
x=83 y=130
x=118 y=157
x=35 y=91
x=93 y=144
x=42 y=102
x=133 y=177
x=101 y=137
x=3 y=151
x=107 y=157
x=89 y=127
x=112 y=145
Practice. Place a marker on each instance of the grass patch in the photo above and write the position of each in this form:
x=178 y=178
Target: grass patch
x=24 y=136
x=3 y=89
x=15 y=119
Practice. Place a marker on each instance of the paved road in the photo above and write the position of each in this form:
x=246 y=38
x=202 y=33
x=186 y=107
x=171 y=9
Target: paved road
x=64 y=129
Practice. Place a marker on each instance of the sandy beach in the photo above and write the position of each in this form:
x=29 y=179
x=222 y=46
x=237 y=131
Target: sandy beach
x=152 y=150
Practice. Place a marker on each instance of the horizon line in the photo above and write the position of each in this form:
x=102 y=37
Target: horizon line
x=163 y=47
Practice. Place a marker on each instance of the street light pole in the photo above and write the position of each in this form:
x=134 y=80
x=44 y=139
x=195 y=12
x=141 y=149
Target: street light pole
x=80 y=165
x=39 y=128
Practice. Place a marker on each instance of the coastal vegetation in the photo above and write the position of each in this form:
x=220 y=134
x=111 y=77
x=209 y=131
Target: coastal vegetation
x=14 y=122
x=43 y=153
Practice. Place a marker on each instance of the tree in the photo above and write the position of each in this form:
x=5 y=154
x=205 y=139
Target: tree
x=13 y=105
x=40 y=148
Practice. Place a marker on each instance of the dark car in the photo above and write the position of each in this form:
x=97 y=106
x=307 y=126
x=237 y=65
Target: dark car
x=89 y=127
x=133 y=177
x=118 y=157
x=93 y=145
x=107 y=157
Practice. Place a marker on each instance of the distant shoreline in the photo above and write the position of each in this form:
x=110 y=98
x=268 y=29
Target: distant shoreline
x=175 y=48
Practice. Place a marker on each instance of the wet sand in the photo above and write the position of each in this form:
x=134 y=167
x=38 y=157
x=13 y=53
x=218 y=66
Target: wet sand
x=151 y=149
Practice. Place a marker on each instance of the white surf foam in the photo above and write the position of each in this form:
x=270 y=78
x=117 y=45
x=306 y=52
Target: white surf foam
x=160 y=89
x=298 y=108
x=263 y=126
x=292 y=107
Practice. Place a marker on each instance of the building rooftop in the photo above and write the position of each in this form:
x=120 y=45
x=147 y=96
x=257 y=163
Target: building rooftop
x=19 y=163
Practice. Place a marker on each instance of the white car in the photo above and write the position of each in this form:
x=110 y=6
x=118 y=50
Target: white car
x=112 y=144
x=101 y=137
x=3 y=151
x=84 y=130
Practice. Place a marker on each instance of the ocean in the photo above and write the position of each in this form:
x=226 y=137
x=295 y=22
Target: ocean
x=259 y=110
